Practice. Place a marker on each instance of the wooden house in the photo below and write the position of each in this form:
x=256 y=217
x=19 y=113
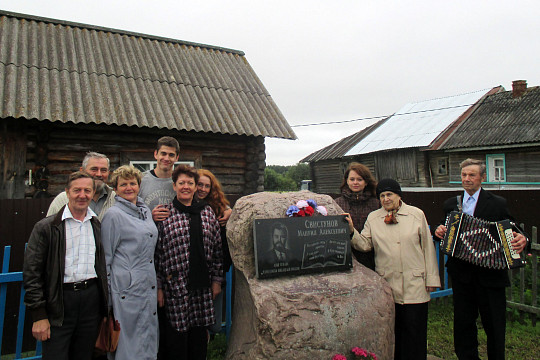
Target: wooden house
x=68 y=88
x=395 y=147
x=504 y=131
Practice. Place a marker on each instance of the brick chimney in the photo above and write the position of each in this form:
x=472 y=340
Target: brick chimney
x=518 y=88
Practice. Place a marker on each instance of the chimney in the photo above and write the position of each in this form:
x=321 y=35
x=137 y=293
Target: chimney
x=518 y=88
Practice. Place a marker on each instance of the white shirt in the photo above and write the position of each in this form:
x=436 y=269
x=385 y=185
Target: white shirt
x=469 y=202
x=80 y=247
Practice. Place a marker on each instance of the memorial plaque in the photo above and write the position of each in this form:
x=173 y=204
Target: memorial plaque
x=301 y=245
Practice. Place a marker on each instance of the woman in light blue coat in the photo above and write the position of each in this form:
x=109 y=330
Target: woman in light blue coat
x=129 y=237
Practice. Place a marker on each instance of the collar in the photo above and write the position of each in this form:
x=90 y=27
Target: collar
x=403 y=210
x=67 y=214
x=475 y=196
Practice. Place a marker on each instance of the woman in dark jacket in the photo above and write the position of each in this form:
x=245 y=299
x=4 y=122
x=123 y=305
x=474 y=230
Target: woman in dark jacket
x=189 y=268
x=358 y=198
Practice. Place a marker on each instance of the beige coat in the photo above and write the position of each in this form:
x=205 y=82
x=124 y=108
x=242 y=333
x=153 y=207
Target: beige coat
x=404 y=253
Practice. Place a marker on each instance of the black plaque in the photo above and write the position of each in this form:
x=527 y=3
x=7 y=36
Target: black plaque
x=301 y=245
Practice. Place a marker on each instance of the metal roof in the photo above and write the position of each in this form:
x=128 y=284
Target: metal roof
x=500 y=120
x=69 y=72
x=416 y=124
x=340 y=148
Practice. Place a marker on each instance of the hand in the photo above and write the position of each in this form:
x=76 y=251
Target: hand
x=440 y=231
x=349 y=220
x=160 y=213
x=431 y=288
x=519 y=243
x=160 y=298
x=216 y=289
x=41 y=330
x=226 y=215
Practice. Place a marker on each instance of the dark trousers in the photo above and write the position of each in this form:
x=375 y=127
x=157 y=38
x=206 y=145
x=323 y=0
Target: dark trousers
x=76 y=338
x=471 y=299
x=190 y=345
x=411 y=331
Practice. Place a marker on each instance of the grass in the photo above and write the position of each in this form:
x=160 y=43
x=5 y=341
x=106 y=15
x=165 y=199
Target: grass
x=521 y=338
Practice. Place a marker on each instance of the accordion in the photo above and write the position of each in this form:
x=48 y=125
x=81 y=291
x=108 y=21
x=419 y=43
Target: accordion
x=480 y=242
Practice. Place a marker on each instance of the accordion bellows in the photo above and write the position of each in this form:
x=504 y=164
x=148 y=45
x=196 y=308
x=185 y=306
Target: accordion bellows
x=480 y=242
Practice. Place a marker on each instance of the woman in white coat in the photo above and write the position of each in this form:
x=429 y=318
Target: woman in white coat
x=129 y=237
x=405 y=257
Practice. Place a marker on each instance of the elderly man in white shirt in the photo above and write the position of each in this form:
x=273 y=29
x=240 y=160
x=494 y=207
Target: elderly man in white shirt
x=64 y=276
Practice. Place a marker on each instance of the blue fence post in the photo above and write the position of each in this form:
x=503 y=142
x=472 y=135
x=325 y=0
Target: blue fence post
x=3 y=291
x=444 y=291
x=228 y=300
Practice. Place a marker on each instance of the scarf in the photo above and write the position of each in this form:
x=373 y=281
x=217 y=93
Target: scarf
x=198 y=275
x=390 y=218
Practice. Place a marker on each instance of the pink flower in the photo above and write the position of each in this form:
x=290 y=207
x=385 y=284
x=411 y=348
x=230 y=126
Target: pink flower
x=373 y=356
x=302 y=204
x=339 y=357
x=359 y=352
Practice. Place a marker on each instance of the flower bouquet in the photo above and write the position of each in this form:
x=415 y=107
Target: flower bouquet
x=306 y=208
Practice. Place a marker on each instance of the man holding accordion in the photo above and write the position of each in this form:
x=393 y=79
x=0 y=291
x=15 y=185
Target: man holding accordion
x=478 y=290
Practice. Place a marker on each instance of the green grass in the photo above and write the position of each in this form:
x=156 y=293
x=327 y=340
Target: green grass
x=217 y=347
x=522 y=339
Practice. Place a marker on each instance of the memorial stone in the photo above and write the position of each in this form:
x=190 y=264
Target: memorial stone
x=302 y=317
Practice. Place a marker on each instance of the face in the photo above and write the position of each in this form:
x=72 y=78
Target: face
x=166 y=156
x=203 y=187
x=80 y=193
x=279 y=239
x=471 y=180
x=355 y=182
x=185 y=189
x=127 y=189
x=99 y=169
x=389 y=200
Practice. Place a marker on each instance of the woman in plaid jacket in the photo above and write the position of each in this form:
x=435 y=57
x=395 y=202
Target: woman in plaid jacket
x=189 y=268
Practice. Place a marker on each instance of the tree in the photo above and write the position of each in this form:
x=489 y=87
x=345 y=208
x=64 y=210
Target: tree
x=277 y=182
x=298 y=173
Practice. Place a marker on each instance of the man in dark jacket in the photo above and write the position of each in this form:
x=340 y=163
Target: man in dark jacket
x=64 y=276
x=478 y=290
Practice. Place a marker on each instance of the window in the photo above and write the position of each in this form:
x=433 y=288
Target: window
x=442 y=167
x=149 y=165
x=496 y=168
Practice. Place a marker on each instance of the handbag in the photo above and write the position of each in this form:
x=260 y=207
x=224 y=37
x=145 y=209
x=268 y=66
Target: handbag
x=109 y=334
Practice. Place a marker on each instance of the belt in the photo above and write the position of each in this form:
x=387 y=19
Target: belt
x=80 y=285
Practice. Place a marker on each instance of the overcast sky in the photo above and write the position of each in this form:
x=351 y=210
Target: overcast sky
x=325 y=61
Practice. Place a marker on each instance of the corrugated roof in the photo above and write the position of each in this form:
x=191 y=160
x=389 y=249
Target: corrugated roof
x=416 y=124
x=340 y=148
x=500 y=120
x=61 y=71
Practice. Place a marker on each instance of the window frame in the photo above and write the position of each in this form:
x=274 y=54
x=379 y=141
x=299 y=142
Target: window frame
x=491 y=168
